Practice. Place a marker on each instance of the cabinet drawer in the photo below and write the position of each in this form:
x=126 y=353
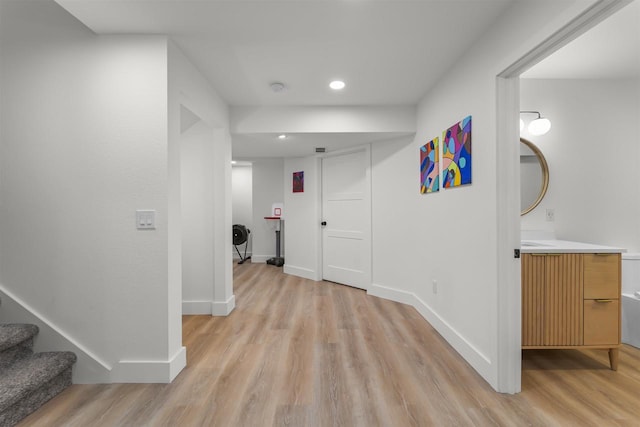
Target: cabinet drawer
x=601 y=276
x=601 y=322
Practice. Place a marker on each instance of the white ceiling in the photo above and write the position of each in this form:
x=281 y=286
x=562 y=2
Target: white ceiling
x=389 y=52
x=610 y=50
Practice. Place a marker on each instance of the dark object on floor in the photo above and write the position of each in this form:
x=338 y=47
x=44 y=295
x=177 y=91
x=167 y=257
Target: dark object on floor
x=278 y=260
x=241 y=236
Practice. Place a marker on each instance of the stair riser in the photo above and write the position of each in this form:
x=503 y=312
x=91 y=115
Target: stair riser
x=10 y=355
x=15 y=413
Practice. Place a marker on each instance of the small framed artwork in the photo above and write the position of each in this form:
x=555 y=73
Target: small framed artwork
x=298 y=182
x=456 y=154
x=430 y=167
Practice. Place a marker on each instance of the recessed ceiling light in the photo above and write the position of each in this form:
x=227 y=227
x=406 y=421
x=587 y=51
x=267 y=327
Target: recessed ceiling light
x=283 y=136
x=233 y=162
x=337 y=85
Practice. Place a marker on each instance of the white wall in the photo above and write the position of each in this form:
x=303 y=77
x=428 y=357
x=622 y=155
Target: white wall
x=189 y=89
x=302 y=237
x=90 y=133
x=323 y=119
x=83 y=145
x=267 y=189
x=593 y=154
x=242 y=194
x=451 y=236
x=196 y=152
x=86 y=162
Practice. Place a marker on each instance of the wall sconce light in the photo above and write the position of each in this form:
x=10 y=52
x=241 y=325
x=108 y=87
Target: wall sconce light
x=538 y=126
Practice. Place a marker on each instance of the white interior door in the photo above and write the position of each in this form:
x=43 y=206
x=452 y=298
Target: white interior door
x=346 y=210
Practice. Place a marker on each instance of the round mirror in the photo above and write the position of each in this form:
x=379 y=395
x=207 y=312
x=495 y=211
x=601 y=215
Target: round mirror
x=534 y=176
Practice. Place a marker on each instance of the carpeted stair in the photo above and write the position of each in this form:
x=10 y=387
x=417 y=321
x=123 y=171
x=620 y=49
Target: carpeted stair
x=28 y=380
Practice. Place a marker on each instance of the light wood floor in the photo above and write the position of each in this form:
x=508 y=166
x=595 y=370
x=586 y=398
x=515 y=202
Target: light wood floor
x=301 y=353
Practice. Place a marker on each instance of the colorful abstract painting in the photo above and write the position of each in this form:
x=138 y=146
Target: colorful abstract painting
x=430 y=167
x=298 y=182
x=456 y=154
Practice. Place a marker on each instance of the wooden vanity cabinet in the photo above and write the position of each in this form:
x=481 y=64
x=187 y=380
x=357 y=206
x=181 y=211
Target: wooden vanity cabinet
x=602 y=299
x=571 y=300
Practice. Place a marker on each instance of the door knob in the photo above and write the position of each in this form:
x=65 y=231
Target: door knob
x=323 y=223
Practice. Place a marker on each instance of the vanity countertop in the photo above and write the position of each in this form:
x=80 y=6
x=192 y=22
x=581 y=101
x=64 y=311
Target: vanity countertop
x=564 y=246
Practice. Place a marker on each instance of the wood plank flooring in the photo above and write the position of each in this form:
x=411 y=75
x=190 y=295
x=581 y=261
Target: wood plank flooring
x=300 y=353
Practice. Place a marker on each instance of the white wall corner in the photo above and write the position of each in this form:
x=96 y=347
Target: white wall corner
x=177 y=363
x=480 y=362
x=196 y=307
x=223 y=308
x=149 y=371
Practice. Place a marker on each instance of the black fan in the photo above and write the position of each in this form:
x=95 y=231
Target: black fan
x=241 y=236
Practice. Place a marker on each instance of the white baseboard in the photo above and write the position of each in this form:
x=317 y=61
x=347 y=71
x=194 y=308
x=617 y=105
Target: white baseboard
x=479 y=361
x=210 y=308
x=258 y=259
x=223 y=308
x=196 y=307
x=392 y=294
x=301 y=272
x=88 y=369
x=177 y=363
x=149 y=371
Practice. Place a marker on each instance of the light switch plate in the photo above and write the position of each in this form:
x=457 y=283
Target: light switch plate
x=146 y=219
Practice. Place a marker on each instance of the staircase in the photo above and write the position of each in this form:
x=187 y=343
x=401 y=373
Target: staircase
x=28 y=380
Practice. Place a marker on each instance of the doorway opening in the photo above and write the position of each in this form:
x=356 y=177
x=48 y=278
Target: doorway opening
x=508 y=107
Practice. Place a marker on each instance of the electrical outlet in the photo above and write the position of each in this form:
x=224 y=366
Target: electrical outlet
x=551 y=215
x=435 y=286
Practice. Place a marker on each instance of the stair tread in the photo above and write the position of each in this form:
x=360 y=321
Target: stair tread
x=29 y=373
x=15 y=333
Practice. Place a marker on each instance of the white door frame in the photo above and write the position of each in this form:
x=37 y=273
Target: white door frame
x=508 y=190
x=368 y=190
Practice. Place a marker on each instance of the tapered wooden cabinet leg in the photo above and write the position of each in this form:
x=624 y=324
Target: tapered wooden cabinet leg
x=613 y=358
